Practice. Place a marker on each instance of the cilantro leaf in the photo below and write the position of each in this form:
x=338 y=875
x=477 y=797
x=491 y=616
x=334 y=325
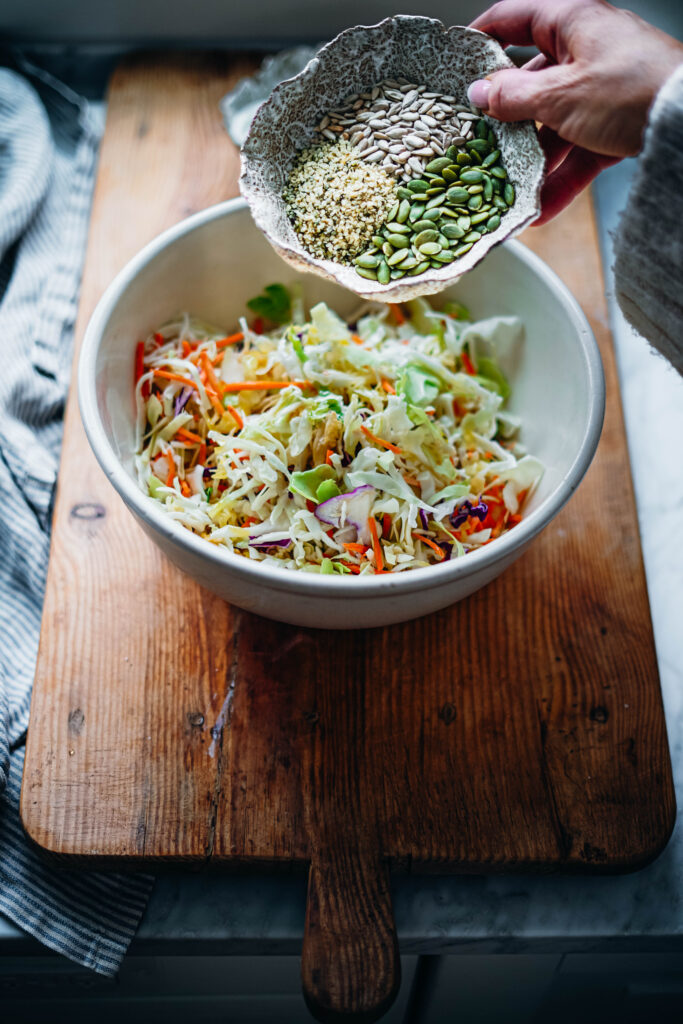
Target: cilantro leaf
x=274 y=304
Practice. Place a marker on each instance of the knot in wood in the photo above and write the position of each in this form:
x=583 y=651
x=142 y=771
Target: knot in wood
x=599 y=714
x=448 y=713
x=88 y=510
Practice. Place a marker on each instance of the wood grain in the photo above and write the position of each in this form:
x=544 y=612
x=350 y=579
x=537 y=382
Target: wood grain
x=521 y=729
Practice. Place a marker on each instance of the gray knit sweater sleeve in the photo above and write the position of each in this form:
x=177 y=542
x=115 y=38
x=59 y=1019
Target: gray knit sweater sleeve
x=649 y=242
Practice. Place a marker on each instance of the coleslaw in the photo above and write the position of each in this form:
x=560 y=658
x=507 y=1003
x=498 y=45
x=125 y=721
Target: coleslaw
x=377 y=445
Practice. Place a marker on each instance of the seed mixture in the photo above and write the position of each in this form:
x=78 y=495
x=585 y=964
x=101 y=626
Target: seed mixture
x=450 y=185
x=336 y=201
x=399 y=125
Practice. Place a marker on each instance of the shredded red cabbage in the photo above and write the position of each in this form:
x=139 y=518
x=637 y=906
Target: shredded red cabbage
x=182 y=398
x=424 y=519
x=254 y=542
x=463 y=512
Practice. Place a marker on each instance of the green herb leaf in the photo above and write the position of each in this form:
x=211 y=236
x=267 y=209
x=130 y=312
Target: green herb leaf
x=274 y=304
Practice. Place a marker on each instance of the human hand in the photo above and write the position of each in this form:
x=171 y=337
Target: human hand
x=591 y=87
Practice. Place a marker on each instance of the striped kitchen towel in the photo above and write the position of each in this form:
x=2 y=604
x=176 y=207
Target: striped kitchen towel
x=48 y=147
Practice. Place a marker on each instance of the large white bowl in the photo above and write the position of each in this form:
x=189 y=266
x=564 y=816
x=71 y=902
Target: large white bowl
x=210 y=264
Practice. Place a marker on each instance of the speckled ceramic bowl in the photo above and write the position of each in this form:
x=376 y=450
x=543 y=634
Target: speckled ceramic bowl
x=424 y=51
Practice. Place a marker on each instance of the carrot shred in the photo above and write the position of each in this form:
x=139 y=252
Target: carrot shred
x=202 y=452
x=431 y=544
x=167 y=375
x=358 y=340
x=398 y=312
x=232 y=339
x=140 y=367
x=159 y=339
x=185 y=489
x=210 y=372
x=376 y=547
x=236 y=416
x=262 y=385
x=380 y=441
x=215 y=402
x=388 y=387
x=355 y=569
x=360 y=548
x=467 y=363
x=328 y=457
x=188 y=435
x=187 y=348
x=386 y=526
x=413 y=481
x=171 y=469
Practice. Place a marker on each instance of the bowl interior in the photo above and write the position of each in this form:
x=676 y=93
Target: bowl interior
x=221 y=259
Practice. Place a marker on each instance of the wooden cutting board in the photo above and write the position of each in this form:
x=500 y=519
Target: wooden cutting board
x=520 y=730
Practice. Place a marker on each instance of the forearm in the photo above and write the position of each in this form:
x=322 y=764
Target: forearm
x=649 y=242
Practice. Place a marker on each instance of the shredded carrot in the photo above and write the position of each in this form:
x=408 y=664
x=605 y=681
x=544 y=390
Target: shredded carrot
x=467 y=363
x=328 y=457
x=376 y=546
x=188 y=435
x=388 y=387
x=210 y=373
x=398 y=312
x=232 y=339
x=358 y=340
x=171 y=469
x=215 y=402
x=431 y=544
x=185 y=489
x=355 y=569
x=458 y=410
x=217 y=360
x=263 y=385
x=160 y=339
x=236 y=416
x=250 y=520
x=386 y=526
x=413 y=481
x=380 y=441
x=187 y=348
x=140 y=367
x=360 y=548
x=202 y=452
x=175 y=376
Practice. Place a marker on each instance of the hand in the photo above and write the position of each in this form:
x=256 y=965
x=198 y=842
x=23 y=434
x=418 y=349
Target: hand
x=591 y=87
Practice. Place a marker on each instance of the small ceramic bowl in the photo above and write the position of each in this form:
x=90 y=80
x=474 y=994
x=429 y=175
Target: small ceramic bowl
x=557 y=389
x=421 y=50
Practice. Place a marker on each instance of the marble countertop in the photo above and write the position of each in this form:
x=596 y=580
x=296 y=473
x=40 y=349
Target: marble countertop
x=254 y=913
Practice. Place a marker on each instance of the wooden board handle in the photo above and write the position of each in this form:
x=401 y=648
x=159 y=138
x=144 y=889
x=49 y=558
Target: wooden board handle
x=350 y=965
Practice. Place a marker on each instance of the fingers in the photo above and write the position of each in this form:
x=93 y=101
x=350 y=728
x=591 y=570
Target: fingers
x=575 y=172
x=554 y=147
x=523 y=22
x=516 y=94
x=537 y=63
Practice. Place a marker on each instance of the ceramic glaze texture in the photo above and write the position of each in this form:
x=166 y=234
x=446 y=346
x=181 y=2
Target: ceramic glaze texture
x=421 y=50
x=557 y=389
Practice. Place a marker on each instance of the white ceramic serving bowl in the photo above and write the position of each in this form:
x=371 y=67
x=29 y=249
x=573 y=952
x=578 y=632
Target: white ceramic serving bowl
x=210 y=264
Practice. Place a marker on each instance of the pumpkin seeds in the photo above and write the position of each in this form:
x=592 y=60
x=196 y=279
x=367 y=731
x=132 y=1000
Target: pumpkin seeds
x=444 y=210
x=367 y=262
x=397 y=257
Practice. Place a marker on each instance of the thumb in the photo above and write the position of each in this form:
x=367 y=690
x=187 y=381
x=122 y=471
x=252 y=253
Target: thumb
x=516 y=94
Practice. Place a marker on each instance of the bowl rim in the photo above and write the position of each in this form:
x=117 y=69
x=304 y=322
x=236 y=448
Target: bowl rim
x=311 y=584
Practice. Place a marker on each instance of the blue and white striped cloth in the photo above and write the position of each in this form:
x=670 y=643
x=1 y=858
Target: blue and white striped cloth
x=48 y=148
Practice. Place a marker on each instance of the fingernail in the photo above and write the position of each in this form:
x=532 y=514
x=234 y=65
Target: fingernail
x=478 y=93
